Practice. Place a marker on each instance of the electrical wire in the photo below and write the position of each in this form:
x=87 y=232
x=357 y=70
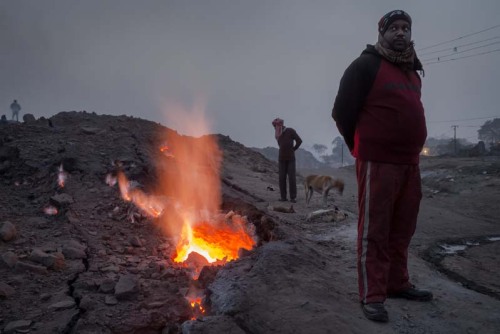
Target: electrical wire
x=473 y=55
x=458 y=52
x=456 y=47
x=464 y=120
x=458 y=38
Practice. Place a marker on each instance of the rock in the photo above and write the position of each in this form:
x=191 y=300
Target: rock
x=8 y=231
x=27 y=267
x=74 y=253
x=126 y=288
x=18 y=325
x=107 y=286
x=63 y=305
x=135 y=241
x=62 y=200
x=53 y=261
x=110 y=300
x=8 y=259
x=87 y=303
x=29 y=118
x=6 y=290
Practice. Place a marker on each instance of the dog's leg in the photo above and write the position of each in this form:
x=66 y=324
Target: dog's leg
x=325 y=196
x=309 y=192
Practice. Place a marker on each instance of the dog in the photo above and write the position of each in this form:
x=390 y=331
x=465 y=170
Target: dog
x=321 y=184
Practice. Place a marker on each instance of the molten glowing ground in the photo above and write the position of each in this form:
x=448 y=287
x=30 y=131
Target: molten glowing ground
x=214 y=241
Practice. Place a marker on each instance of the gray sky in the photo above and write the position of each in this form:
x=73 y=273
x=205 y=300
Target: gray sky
x=242 y=62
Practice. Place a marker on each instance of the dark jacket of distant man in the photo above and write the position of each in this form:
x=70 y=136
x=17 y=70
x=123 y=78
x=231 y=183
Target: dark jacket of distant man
x=288 y=142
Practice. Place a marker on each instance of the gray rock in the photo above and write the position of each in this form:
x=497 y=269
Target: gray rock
x=110 y=300
x=135 y=241
x=74 y=253
x=6 y=290
x=62 y=199
x=18 y=325
x=87 y=303
x=8 y=231
x=53 y=261
x=126 y=288
x=29 y=118
x=107 y=286
x=8 y=259
x=22 y=267
x=63 y=305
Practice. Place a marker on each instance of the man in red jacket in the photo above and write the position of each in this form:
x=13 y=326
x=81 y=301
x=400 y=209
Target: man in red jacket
x=379 y=113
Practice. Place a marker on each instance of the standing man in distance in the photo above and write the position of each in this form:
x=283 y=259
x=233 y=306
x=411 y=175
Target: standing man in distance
x=288 y=142
x=378 y=111
x=15 y=108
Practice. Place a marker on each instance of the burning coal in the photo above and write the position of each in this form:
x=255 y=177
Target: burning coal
x=189 y=202
x=61 y=176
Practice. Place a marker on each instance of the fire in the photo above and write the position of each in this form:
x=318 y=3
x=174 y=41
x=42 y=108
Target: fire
x=61 y=176
x=50 y=210
x=130 y=193
x=191 y=181
x=197 y=307
x=215 y=240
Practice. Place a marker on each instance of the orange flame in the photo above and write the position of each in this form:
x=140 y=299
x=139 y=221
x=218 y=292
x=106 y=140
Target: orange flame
x=149 y=204
x=193 y=179
x=214 y=241
x=197 y=307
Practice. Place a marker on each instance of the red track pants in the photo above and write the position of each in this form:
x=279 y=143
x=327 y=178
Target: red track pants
x=388 y=199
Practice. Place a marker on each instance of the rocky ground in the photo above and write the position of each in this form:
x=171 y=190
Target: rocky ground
x=101 y=266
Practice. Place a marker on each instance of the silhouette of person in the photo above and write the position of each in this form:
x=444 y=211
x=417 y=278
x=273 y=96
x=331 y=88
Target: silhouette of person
x=288 y=142
x=15 y=107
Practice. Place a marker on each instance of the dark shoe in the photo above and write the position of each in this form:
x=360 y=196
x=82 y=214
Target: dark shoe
x=293 y=200
x=375 y=312
x=413 y=294
x=283 y=200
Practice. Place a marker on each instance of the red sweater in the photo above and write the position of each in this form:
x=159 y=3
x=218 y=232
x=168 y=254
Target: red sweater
x=379 y=112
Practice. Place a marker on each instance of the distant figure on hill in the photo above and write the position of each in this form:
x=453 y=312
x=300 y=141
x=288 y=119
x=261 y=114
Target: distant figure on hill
x=288 y=142
x=15 y=107
x=3 y=120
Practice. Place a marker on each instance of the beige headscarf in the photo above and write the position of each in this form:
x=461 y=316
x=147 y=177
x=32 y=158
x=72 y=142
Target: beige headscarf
x=278 y=127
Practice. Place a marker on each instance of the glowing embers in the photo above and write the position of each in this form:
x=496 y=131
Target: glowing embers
x=218 y=241
x=61 y=176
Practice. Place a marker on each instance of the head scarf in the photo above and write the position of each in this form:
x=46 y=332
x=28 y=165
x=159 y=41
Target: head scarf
x=389 y=18
x=406 y=59
x=278 y=127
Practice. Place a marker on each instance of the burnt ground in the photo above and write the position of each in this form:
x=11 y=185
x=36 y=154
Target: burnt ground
x=100 y=266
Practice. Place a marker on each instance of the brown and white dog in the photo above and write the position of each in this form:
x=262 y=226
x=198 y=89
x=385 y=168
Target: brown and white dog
x=321 y=184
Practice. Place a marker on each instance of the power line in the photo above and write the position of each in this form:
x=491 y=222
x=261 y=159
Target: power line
x=462 y=51
x=463 y=120
x=452 y=59
x=458 y=46
x=458 y=38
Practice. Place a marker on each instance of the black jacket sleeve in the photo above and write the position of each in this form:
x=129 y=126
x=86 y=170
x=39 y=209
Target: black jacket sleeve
x=354 y=86
x=298 y=141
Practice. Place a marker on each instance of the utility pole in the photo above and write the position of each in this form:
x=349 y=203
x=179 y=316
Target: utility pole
x=455 y=137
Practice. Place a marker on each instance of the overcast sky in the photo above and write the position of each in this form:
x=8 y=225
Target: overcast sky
x=241 y=62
